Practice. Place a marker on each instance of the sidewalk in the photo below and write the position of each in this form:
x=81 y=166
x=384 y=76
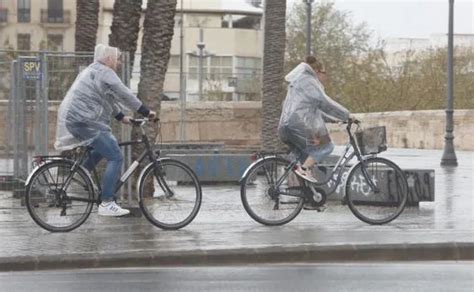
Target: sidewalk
x=223 y=233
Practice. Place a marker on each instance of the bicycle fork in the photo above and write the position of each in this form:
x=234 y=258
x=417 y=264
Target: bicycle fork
x=367 y=177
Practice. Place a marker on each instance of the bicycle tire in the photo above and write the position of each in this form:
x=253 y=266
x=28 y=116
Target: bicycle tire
x=263 y=200
x=186 y=192
x=41 y=197
x=380 y=207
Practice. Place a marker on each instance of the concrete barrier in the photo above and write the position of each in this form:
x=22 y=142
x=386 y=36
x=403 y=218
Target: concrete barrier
x=420 y=185
x=229 y=167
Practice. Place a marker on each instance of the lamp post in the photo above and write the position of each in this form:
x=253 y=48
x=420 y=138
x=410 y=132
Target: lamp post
x=309 y=4
x=182 y=93
x=449 y=156
x=201 y=47
x=202 y=54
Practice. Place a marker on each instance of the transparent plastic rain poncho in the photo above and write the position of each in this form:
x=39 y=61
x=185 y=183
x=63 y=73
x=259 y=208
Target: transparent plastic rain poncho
x=305 y=109
x=94 y=98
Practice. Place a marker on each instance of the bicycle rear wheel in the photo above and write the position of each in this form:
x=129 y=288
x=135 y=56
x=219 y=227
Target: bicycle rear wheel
x=382 y=204
x=266 y=202
x=54 y=206
x=170 y=195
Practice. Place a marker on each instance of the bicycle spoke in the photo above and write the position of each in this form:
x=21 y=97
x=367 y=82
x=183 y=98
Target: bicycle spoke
x=53 y=205
x=170 y=198
x=265 y=201
x=369 y=191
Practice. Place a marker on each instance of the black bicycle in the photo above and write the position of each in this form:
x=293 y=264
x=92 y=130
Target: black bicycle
x=60 y=192
x=376 y=189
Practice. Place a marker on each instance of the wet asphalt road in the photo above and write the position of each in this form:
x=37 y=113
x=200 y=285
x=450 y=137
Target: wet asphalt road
x=414 y=276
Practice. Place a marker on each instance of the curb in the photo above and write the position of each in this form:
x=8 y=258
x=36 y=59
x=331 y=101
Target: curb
x=457 y=251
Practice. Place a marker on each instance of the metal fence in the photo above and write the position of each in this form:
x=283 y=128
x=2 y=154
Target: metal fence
x=32 y=85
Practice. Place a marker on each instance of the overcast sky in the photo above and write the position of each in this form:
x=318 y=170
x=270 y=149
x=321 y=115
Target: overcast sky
x=408 y=18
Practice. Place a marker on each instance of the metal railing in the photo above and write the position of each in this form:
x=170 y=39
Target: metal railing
x=55 y=16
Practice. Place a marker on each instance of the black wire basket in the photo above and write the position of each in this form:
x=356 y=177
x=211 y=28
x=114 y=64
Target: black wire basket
x=372 y=140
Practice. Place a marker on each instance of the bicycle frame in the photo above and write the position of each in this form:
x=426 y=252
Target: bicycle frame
x=148 y=152
x=337 y=169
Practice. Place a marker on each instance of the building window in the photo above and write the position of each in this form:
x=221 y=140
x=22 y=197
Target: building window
x=215 y=67
x=241 y=21
x=23 y=42
x=249 y=77
x=194 y=67
x=177 y=21
x=174 y=62
x=55 y=42
x=246 y=22
x=221 y=67
x=24 y=11
x=55 y=11
x=226 y=21
x=248 y=66
x=3 y=15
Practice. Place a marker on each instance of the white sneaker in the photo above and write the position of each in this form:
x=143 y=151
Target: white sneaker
x=112 y=209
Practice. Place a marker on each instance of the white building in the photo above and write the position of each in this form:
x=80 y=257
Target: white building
x=37 y=24
x=231 y=31
x=233 y=38
x=397 y=48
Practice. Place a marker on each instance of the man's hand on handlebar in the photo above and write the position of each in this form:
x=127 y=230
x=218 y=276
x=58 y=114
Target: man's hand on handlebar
x=126 y=120
x=152 y=115
x=353 y=119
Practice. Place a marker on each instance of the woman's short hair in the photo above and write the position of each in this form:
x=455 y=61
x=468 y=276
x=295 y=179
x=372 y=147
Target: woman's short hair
x=314 y=63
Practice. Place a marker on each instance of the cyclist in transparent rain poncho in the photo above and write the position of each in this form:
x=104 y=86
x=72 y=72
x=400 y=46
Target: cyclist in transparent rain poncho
x=305 y=110
x=85 y=115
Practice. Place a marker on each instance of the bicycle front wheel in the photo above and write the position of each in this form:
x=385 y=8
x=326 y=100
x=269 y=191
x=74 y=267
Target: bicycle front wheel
x=170 y=194
x=264 y=200
x=52 y=204
x=383 y=198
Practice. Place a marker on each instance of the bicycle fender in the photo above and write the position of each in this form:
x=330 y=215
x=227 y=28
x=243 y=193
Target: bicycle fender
x=27 y=182
x=246 y=172
x=28 y=179
x=142 y=173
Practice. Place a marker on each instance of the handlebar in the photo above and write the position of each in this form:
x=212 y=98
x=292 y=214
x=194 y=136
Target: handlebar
x=143 y=121
x=352 y=121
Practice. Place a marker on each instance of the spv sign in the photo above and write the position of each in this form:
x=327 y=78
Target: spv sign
x=31 y=69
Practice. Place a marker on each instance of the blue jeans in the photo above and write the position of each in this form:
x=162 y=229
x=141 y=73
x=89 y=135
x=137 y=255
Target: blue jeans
x=318 y=153
x=106 y=146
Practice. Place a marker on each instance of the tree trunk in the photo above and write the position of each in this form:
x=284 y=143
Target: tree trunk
x=87 y=23
x=158 y=30
x=126 y=26
x=158 y=33
x=273 y=68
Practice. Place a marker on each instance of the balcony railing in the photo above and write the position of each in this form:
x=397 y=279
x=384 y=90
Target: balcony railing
x=3 y=15
x=24 y=15
x=55 y=16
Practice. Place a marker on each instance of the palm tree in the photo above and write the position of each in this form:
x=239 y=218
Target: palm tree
x=158 y=30
x=87 y=23
x=126 y=26
x=273 y=66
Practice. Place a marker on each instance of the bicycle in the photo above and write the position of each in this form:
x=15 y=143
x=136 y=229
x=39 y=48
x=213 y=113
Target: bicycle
x=60 y=192
x=270 y=199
